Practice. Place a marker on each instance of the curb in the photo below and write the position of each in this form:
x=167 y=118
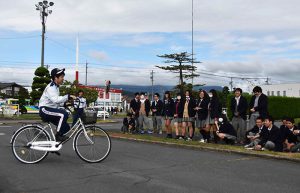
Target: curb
x=196 y=147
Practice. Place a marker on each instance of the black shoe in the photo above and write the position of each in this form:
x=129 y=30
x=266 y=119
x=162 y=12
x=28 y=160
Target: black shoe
x=61 y=138
x=169 y=136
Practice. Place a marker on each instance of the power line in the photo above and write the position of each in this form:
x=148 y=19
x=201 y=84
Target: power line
x=23 y=37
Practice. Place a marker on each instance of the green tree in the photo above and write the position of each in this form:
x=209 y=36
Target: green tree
x=183 y=67
x=40 y=81
x=73 y=88
x=23 y=95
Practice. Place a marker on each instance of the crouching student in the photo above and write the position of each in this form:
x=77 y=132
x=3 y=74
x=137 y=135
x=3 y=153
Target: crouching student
x=225 y=131
x=291 y=136
x=253 y=135
x=128 y=124
x=270 y=136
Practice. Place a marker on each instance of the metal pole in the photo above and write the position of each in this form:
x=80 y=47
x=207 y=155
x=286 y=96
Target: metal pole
x=43 y=36
x=193 y=40
x=152 y=80
x=86 y=69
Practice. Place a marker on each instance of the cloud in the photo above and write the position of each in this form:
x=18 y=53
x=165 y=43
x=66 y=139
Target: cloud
x=136 y=16
x=135 y=40
x=99 y=55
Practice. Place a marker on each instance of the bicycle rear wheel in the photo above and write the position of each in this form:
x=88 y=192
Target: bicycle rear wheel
x=21 y=144
x=96 y=151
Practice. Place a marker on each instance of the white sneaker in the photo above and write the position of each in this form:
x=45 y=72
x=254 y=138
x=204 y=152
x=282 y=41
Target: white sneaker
x=247 y=146
x=160 y=132
x=263 y=149
x=189 y=139
x=180 y=138
x=202 y=141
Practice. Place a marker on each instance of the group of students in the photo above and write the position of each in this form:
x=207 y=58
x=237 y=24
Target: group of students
x=205 y=113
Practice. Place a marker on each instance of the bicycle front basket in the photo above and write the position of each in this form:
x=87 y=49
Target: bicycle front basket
x=89 y=117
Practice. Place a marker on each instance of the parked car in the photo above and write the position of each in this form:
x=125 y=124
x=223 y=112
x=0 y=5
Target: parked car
x=102 y=113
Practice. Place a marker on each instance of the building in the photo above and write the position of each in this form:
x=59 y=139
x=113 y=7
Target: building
x=287 y=90
x=111 y=100
x=10 y=89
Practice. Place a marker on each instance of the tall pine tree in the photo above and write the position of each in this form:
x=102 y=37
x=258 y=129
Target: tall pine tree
x=183 y=67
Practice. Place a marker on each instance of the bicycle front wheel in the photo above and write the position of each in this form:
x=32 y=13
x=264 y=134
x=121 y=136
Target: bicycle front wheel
x=21 y=144
x=94 y=147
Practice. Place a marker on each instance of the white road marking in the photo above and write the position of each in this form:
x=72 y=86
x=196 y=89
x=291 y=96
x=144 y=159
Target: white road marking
x=2 y=134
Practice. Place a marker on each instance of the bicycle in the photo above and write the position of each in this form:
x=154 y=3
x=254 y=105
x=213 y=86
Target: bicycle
x=32 y=143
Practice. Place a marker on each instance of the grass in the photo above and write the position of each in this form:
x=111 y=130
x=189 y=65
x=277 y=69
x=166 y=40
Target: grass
x=212 y=146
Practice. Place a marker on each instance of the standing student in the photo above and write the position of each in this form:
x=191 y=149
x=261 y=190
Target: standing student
x=168 y=113
x=202 y=112
x=178 y=115
x=214 y=112
x=189 y=113
x=135 y=105
x=157 y=110
x=144 y=114
x=258 y=105
x=79 y=106
x=239 y=107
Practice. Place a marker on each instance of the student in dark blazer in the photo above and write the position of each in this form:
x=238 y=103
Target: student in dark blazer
x=239 y=108
x=168 y=112
x=270 y=136
x=189 y=113
x=225 y=131
x=253 y=135
x=135 y=105
x=291 y=134
x=214 y=112
x=202 y=112
x=258 y=105
x=178 y=114
x=157 y=111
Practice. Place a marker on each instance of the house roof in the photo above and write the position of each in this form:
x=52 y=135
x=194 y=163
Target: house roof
x=8 y=84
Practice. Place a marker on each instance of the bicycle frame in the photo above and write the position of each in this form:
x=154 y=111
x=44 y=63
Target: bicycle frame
x=72 y=132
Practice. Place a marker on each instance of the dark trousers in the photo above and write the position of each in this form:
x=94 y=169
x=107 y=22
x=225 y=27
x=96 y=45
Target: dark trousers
x=58 y=117
x=77 y=114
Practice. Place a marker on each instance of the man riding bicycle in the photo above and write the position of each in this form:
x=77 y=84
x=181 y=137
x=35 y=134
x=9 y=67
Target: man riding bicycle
x=51 y=101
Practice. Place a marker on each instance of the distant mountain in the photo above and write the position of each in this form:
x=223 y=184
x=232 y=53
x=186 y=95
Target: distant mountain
x=131 y=89
x=147 y=89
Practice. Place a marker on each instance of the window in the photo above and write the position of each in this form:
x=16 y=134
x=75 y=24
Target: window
x=284 y=93
x=272 y=93
x=268 y=93
x=9 y=92
x=278 y=93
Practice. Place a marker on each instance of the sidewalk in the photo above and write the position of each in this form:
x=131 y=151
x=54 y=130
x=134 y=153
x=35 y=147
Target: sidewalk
x=159 y=139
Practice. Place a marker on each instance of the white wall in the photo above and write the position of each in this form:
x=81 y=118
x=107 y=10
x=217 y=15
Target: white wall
x=289 y=90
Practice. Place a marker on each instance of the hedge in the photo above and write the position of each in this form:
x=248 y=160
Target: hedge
x=278 y=108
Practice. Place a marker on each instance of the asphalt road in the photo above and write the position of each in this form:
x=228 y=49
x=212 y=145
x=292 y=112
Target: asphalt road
x=139 y=167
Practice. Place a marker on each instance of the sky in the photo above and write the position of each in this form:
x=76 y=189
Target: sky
x=120 y=40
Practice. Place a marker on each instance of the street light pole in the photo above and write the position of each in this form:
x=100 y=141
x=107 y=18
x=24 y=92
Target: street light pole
x=44 y=12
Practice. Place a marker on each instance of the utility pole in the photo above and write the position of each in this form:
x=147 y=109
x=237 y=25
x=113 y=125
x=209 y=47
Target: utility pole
x=44 y=12
x=152 y=80
x=267 y=81
x=231 y=83
x=86 y=70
